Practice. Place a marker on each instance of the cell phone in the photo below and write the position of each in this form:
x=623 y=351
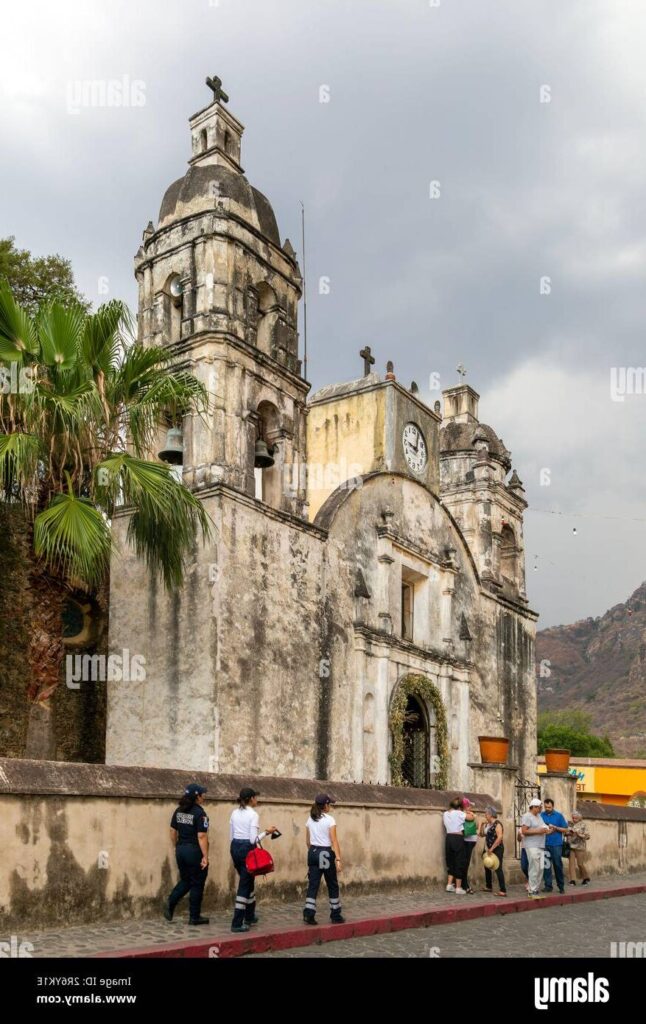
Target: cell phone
x=276 y=834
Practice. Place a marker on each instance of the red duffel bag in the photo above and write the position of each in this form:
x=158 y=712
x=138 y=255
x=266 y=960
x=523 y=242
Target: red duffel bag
x=259 y=862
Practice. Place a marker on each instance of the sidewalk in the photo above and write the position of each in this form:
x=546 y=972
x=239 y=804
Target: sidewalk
x=281 y=925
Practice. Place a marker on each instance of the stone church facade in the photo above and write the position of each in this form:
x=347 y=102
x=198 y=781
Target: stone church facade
x=360 y=611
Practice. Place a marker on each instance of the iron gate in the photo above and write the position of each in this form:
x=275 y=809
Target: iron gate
x=524 y=791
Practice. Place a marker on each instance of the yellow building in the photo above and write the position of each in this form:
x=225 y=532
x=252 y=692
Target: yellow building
x=607 y=780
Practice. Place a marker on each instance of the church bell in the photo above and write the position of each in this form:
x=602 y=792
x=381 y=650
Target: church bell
x=262 y=458
x=173 y=451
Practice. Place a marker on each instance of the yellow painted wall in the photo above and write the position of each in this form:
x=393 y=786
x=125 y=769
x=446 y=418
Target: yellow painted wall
x=345 y=438
x=611 y=784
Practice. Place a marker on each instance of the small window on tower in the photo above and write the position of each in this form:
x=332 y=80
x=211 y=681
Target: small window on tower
x=227 y=142
x=407 y=610
x=204 y=142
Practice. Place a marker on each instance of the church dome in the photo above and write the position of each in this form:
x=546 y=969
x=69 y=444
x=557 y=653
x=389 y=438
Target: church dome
x=201 y=188
x=461 y=437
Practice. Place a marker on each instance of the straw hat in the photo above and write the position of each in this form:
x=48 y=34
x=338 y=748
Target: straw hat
x=491 y=861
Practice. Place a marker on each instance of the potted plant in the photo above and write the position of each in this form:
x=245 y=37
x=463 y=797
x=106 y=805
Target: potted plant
x=557 y=759
x=494 y=749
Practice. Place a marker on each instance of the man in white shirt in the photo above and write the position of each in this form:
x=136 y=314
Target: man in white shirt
x=534 y=831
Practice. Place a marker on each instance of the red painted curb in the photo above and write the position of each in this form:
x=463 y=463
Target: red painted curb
x=308 y=935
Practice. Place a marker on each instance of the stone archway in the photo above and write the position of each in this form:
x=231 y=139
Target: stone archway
x=423 y=692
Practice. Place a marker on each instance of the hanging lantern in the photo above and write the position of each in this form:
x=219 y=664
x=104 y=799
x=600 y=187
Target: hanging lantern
x=173 y=450
x=263 y=459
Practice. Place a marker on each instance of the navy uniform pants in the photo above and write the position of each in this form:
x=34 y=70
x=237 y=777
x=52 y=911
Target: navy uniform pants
x=321 y=863
x=245 y=905
x=192 y=879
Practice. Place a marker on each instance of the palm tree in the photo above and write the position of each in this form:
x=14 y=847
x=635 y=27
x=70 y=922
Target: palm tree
x=81 y=405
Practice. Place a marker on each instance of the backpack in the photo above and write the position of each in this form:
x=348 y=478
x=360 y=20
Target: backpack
x=259 y=861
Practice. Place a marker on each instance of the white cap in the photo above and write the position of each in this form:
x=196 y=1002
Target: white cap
x=535 y=803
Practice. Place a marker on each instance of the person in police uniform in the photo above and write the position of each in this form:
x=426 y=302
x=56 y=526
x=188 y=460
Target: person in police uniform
x=189 y=830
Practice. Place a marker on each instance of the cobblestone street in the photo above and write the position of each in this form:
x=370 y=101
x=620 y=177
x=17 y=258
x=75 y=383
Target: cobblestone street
x=573 y=931
x=87 y=940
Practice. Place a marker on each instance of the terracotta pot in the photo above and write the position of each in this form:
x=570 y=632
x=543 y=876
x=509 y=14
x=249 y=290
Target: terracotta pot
x=557 y=759
x=494 y=749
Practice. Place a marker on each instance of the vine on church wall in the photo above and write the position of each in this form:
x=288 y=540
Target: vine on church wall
x=417 y=686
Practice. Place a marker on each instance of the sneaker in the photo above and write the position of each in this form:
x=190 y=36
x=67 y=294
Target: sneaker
x=244 y=927
x=460 y=892
x=450 y=888
x=586 y=881
x=253 y=920
x=572 y=882
x=200 y=920
x=338 y=920
x=536 y=896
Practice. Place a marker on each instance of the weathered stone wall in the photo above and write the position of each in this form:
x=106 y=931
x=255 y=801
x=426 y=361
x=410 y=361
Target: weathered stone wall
x=232 y=660
x=90 y=842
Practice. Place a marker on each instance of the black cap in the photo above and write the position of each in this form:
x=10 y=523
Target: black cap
x=194 y=790
x=247 y=793
x=324 y=798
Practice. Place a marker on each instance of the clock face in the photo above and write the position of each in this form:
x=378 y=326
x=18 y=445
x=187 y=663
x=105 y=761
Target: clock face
x=414 y=447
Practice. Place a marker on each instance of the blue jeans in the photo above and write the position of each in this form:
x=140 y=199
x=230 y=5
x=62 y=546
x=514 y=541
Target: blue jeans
x=554 y=859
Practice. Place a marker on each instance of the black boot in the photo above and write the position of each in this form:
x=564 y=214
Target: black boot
x=337 y=918
x=309 y=917
x=200 y=920
x=168 y=912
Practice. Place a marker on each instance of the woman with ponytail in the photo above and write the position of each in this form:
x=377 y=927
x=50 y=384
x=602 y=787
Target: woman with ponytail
x=323 y=859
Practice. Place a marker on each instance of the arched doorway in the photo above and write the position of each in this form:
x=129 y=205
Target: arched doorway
x=417 y=745
x=418 y=726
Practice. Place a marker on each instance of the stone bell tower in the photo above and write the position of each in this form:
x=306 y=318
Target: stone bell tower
x=474 y=465
x=220 y=291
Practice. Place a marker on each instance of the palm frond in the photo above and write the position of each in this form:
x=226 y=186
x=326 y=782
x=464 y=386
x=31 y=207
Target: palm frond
x=103 y=336
x=19 y=455
x=72 y=536
x=167 y=516
x=60 y=329
x=17 y=333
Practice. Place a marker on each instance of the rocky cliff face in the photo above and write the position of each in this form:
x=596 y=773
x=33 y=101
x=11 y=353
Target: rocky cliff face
x=599 y=666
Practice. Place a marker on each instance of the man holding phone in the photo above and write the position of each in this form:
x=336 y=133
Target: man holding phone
x=534 y=832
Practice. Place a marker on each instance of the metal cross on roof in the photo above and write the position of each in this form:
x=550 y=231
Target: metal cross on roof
x=215 y=84
x=368 y=360
x=461 y=370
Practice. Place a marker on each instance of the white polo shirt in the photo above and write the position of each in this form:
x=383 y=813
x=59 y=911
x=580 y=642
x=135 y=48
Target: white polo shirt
x=245 y=824
x=320 y=830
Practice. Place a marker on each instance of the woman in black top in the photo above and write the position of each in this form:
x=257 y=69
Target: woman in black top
x=189 y=832
x=492 y=831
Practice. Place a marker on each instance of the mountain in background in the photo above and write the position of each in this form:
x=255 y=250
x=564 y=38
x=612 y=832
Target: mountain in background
x=599 y=666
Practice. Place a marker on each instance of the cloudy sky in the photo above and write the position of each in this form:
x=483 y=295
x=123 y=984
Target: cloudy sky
x=528 y=266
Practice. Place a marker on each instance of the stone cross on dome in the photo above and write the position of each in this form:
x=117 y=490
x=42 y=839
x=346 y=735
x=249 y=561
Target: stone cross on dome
x=215 y=84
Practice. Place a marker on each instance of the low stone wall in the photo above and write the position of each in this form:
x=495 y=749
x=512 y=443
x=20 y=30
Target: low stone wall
x=84 y=842
x=617 y=838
